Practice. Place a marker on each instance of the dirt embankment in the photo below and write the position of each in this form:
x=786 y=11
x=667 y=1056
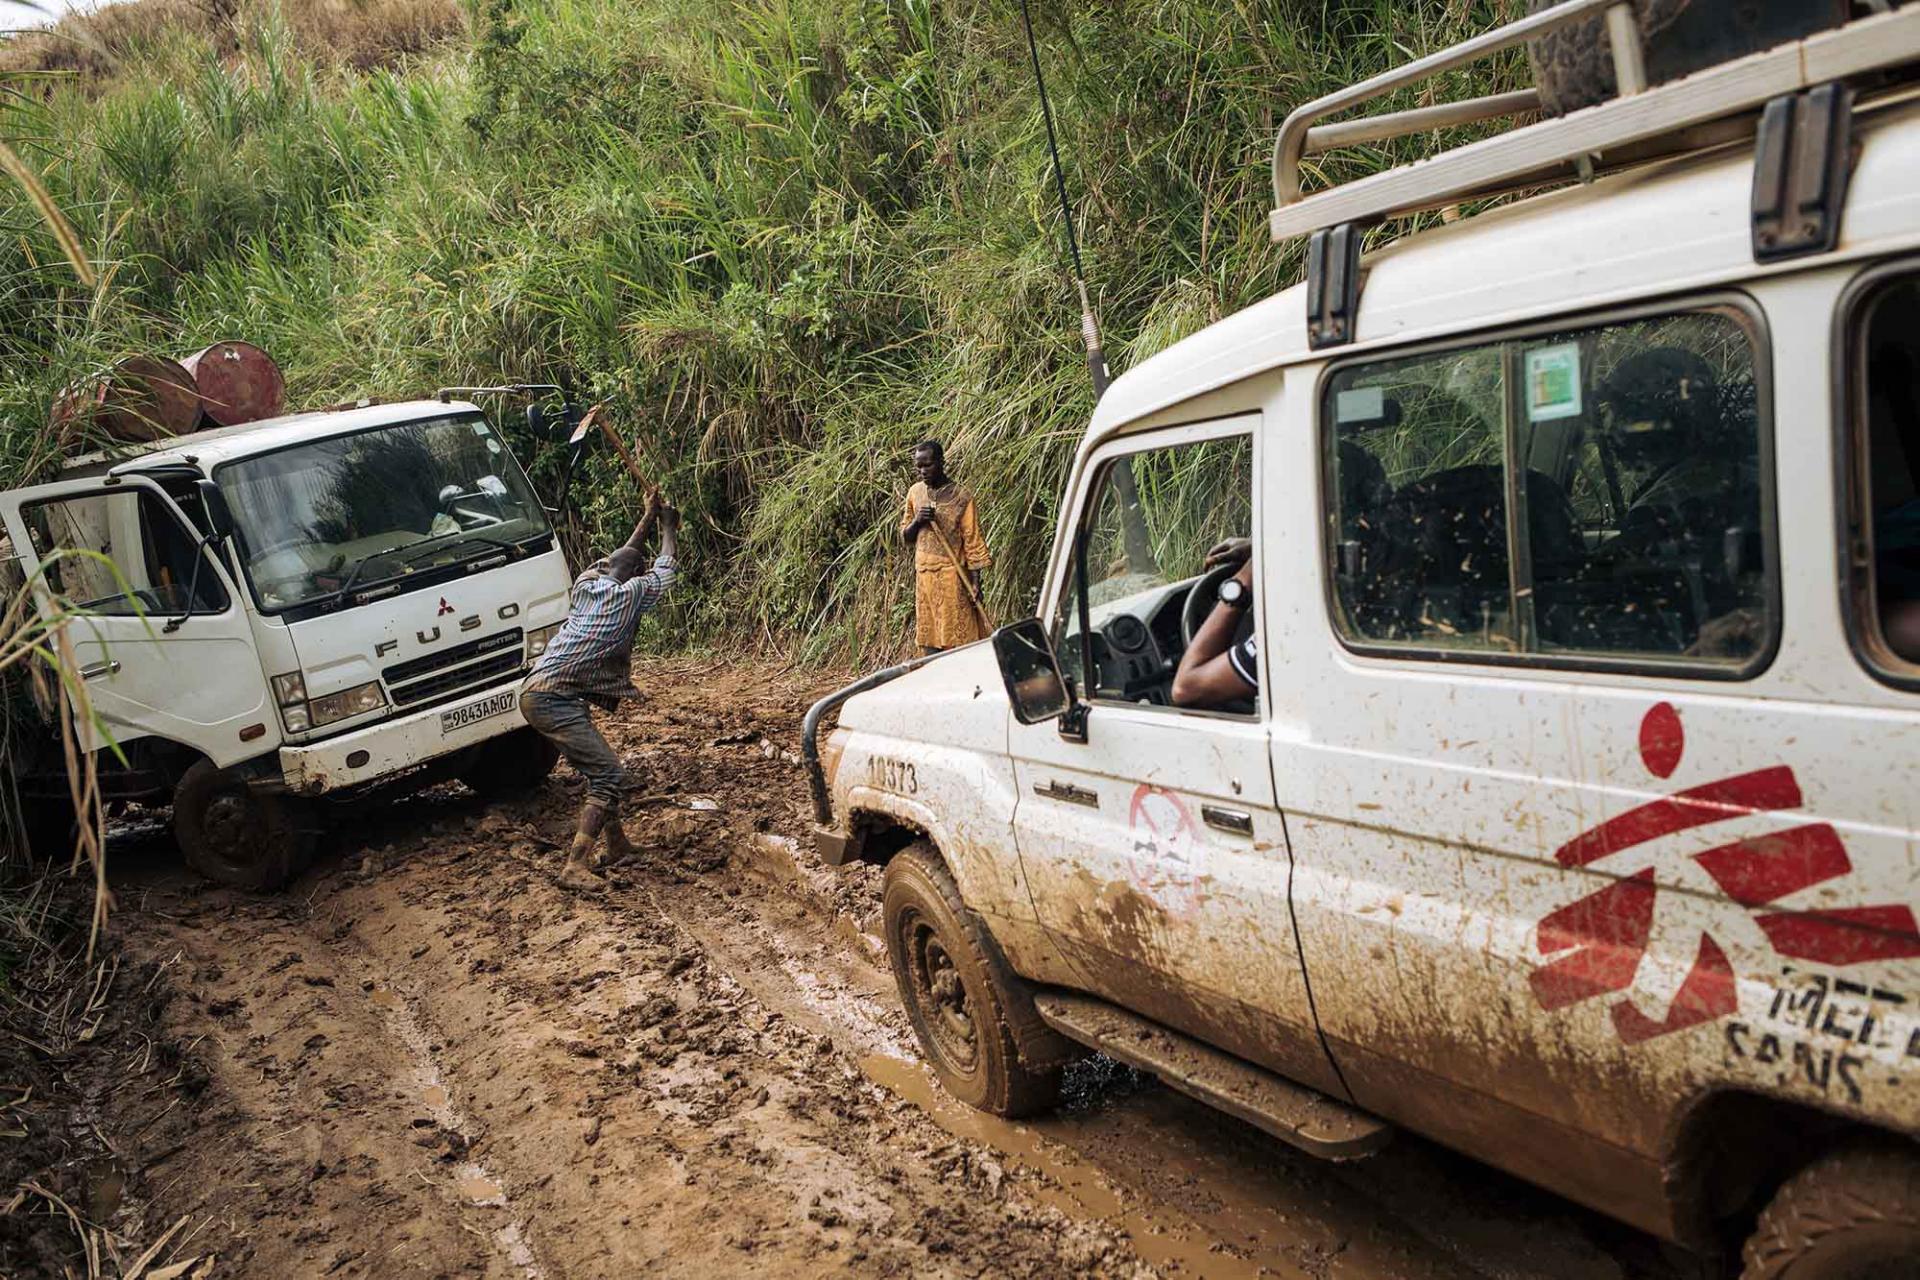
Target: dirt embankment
x=426 y=1060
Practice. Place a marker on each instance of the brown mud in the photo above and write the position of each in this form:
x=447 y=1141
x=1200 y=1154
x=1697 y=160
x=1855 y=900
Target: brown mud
x=427 y=1060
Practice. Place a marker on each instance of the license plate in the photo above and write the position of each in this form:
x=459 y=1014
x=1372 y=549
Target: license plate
x=494 y=705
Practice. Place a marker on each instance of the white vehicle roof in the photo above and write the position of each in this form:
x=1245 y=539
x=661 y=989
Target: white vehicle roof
x=1678 y=226
x=208 y=449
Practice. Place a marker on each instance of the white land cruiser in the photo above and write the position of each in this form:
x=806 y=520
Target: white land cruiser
x=1575 y=821
x=293 y=609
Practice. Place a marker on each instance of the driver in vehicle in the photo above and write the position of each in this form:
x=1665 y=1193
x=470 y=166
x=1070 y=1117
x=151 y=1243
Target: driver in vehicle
x=589 y=661
x=1217 y=669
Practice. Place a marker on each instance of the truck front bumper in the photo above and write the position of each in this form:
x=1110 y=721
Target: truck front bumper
x=393 y=746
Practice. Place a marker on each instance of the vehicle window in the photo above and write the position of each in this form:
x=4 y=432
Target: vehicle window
x=354 y=510
x=1887 y=468
x=1596 y=492
x=1152 y=519
x=123 y=552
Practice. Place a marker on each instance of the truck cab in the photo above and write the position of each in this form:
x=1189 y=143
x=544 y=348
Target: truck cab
x=271 y=615
x=1566 y=814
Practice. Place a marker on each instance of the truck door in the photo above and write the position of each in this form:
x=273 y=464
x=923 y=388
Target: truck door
x=1154 y=852
x=119 y=553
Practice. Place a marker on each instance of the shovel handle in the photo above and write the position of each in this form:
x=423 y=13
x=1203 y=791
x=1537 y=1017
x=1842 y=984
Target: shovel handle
x=596 y=418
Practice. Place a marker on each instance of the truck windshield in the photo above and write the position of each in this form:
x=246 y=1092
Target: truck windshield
x=316 y=519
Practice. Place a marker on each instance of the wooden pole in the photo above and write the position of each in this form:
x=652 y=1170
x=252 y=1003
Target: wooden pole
x=966 y=576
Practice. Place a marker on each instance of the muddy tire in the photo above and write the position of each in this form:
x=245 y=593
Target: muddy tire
x=510 y=764
x=235 y=835
x=962 y=999
x=1852 y=1215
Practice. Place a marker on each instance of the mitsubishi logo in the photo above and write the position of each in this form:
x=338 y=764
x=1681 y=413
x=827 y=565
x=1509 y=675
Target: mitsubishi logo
x=445 y=608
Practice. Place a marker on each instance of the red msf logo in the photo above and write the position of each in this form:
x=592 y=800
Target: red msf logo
x=445 y=608
x=1605 y=935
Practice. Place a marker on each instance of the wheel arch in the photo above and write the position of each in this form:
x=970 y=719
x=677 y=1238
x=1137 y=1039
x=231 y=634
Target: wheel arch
x=1733 y=1149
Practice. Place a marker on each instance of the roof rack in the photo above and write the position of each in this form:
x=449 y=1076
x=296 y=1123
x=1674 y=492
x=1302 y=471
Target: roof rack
x=1708 y=108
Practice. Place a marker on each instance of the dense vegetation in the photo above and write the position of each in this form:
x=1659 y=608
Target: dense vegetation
x=786 y=238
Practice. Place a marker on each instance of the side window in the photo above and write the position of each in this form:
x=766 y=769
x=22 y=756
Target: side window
x=122 y=552
x=1152 y=518
x=1886 y=466
x=1593 y=493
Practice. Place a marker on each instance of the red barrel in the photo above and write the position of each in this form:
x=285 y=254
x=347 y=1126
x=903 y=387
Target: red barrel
x=142 y=397
x=238 y=383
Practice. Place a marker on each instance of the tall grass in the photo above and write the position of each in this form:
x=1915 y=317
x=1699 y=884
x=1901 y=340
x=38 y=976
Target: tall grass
x=785 y=238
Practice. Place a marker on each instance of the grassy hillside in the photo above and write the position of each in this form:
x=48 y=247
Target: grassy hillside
x=788 y=238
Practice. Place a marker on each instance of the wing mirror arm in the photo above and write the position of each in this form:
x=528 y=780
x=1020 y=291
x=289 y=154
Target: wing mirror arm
x=219 y=529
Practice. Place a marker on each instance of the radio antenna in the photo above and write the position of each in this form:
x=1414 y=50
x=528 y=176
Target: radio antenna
x=1089 y=327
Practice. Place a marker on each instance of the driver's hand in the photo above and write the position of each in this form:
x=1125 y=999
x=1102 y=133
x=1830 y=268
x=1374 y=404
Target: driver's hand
x=1229 y=551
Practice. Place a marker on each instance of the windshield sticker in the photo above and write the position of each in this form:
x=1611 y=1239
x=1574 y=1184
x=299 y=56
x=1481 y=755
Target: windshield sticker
x=1553 y=382
x=1600 y=944
x=1362 y=404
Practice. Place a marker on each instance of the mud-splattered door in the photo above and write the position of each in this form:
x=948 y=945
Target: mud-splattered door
x=1153 y=849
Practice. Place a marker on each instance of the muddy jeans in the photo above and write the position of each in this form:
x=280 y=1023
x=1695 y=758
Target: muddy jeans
x=567 y=722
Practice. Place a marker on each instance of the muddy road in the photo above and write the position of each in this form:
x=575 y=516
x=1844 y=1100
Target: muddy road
x=426 y=1060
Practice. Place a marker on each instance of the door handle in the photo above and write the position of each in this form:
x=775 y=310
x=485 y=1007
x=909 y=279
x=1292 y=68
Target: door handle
x=94 y=670
x=1235 y=821
x=1069 y=793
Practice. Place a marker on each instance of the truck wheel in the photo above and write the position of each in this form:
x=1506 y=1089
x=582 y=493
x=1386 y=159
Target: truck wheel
x=511 y=763
x=235 y=835
x=959 y=993
x=1852 y=1215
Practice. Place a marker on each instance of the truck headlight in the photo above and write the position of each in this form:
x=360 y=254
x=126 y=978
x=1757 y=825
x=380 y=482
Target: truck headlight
x=539 y=638
x=348 y=702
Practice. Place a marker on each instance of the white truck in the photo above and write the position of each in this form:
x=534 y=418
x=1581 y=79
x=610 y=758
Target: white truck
x=294 y=610
x=1573 y=816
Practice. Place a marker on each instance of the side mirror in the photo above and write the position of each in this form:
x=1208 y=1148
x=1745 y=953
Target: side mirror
x=493 y=486
x=219 y=518
x=1031 y=672
x=536 y=420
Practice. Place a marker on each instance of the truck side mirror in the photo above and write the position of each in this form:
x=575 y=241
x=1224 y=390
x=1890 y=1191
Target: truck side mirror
x=219 y=518
x=1031 y=672
x=536 y=420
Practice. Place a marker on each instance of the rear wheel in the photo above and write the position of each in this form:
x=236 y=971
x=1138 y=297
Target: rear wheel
x=511 y=763
x=1851 y=1215
x=49 y=826
x=236 y=835
x=960 y=996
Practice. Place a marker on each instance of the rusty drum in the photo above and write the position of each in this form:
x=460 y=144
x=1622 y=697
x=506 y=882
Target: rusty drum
x=238 y=383
x=143 y=397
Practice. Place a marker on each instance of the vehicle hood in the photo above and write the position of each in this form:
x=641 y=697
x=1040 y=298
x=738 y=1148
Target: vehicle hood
x=957 y=700
x=340 y=650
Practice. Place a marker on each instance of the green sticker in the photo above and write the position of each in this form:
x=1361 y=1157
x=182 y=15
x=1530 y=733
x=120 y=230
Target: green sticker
x=1553 y=382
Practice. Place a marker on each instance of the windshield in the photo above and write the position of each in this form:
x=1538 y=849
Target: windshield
x=319 y=518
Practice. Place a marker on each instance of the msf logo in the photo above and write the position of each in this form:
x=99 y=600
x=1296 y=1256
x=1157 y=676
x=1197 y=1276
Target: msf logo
x=1597 y=946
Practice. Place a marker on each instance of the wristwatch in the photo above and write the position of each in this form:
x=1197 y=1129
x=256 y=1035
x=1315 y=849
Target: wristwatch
x=1233 y=593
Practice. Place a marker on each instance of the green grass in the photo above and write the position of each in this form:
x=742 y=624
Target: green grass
x=786 y=238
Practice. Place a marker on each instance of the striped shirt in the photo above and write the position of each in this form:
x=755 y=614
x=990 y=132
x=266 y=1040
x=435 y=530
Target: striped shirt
x=591 y=656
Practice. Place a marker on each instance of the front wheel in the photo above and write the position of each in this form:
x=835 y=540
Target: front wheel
x=1851 y=1215
x=511 y=763
x=236 y=835
x=959 y=994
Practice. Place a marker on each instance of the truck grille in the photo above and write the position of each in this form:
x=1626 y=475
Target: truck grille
x=437 y=675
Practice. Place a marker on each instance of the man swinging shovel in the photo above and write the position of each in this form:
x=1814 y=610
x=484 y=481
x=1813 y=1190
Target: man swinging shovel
x=588 y=663
x=947 y=607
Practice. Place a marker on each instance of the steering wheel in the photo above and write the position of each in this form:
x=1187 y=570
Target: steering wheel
x=1201 y=599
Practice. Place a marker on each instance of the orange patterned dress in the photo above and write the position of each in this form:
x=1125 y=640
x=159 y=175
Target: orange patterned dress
x=944 y=615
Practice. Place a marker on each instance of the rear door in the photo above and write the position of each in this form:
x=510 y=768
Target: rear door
x=1153 y=849
x=157 y=627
